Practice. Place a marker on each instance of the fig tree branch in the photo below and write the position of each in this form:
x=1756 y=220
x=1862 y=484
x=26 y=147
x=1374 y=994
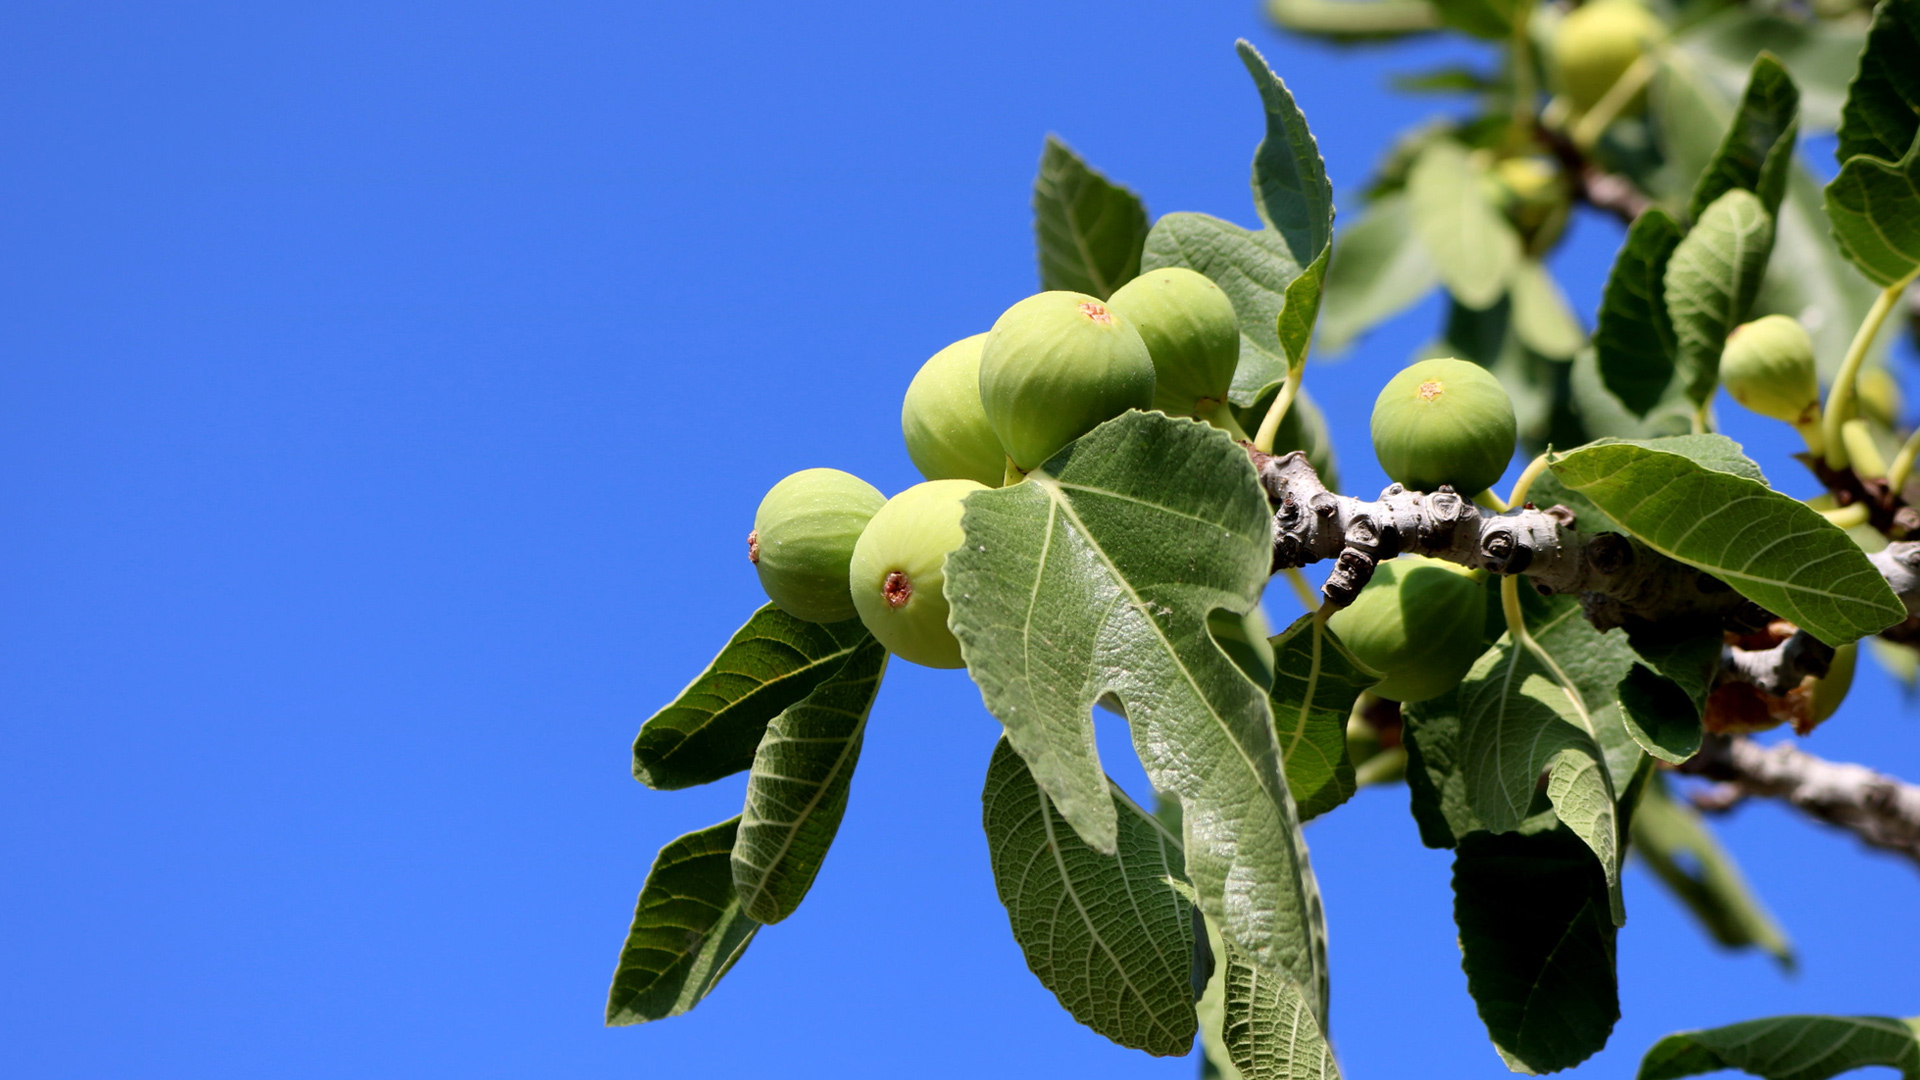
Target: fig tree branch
x=1879 y=809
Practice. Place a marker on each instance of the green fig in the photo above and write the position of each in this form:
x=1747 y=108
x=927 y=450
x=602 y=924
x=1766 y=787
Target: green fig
x=1768 y=367
x=898 y=571
x=803 y=536
x=1444 y=421
x=1596 y=43
x=1191 y=334
x=1056 y=365
x=1418 y=623
x=946 y=427
x=1533 y=193
x=1831 y=689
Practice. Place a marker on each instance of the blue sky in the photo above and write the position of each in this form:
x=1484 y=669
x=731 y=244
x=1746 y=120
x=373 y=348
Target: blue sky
x=387 y=393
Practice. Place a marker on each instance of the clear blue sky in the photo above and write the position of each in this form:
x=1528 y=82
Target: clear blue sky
x=387 y=390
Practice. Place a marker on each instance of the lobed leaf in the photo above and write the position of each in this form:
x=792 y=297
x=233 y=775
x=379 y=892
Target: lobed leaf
x=1674 y=497
x=1882 y=111
x=797 y=790
x=1465 y=235
x=714 y=726
x=1316 y=681
x=688 y=929
x=1089 y=231
x=1758 y=148
x=1874 y=206
x=1711 y=280
x=1789 y=1048
x=1537 y=946
x=1269 y=1028
x=1093 y=579
x=1677 y=846
x=1105 y=932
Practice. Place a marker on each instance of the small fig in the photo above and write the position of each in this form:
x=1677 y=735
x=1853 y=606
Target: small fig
x=803 y=537
x=1190 y=331
x=1767 y=366
x=1831 y=689
x=1418 y=623
x=1444 y=421
x=1056 y=365
x=946 y=428
x=898 y=571
x=1534 y=194
x=1596 y=43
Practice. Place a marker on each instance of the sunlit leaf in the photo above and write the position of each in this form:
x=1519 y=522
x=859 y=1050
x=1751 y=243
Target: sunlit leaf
x=688 y=929
x=1089 y=230
x=1466 y=236
x=1711 y=280
x=797 y=790
x=712 y=729
x=1379 y=269
x=1105 y=933
x=1094 y=578
x=1771 y=548
x=1290 y=186
x=1316 y=681
x=1789 y=1048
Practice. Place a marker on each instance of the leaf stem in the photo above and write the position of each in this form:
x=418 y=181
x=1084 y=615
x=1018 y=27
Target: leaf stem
x=1270 y=424
x=1527 y=476
x=1301 y=589
x=1839 y=407
x=1902 y=466
x=1491 y=501
x=1520 y=128
x=1595 y=122
x=1517 y=626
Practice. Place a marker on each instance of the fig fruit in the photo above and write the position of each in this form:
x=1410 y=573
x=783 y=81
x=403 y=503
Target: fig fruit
x=803 y=536
x=1188 y=325
x=946 y=428
x=1596 y=43
x=1534 y=195
x=1055 y=365
x=1831 y=689
x=1444 y=421
x=897 y=573
x=1767 y=366
x=1418 y=623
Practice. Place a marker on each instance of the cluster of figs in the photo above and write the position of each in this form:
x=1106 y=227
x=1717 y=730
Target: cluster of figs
x=988 y=409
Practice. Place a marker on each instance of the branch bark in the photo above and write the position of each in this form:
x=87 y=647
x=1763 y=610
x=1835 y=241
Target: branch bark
x=1879 y=809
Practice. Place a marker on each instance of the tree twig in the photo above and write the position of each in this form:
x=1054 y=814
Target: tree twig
x=1879 y=809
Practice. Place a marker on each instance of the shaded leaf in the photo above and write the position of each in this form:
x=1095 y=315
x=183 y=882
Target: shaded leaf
x=1436 y=782
x=1105 y=933
x=1758 y=148
x=1789 y=1048
x=1316 y=682
x=1379 y=269
x=1537 y=946
x=1094 y=577
x=1468 y=239
x=1253 y=269
x=1882 y=112
x=797 y=790
x=1542 y=318
x=1089 y=230
x=1659 y=715
x=1711 y=280
x=712 y=729
x=1676 y=845
x=1875 y=209
x=1290 y=186
x=687 y=930
x=1771 y=548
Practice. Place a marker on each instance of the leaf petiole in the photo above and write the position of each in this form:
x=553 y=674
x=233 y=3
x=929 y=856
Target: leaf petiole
x=1270 y=424
x=1839 y=406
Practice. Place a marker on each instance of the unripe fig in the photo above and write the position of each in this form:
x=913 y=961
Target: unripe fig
x=803 y=537
x=1418 y=623
x=1188 y=325
x=946 y=427
x=1534 y=194
x=1767 y=366
x=1055 y=365
x=1596 y=43
x=1831 y=689
x=898 y=571
x=1444 y=421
